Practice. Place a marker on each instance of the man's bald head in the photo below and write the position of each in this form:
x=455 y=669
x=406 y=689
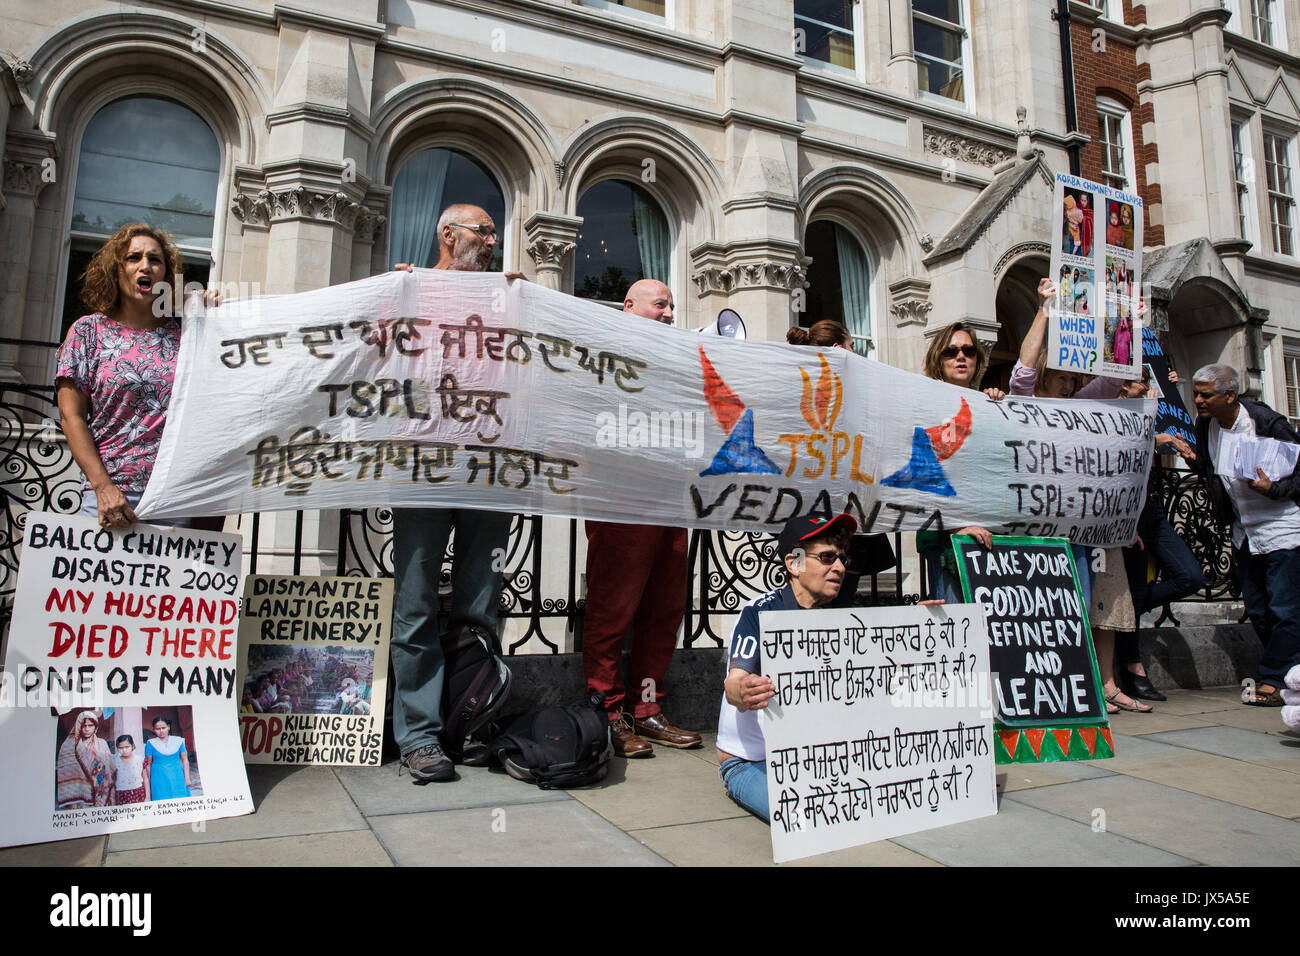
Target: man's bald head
x=650 y=299
x=461 y=242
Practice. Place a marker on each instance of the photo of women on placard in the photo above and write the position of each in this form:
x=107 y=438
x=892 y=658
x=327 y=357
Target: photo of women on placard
x=1072 y=224
x=166 y=762
x=122 y=756
x=83 y=769
x=1114 y=229
x=1122 y=340
x=1085 y=232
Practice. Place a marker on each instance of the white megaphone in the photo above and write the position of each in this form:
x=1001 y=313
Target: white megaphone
x=728 y=324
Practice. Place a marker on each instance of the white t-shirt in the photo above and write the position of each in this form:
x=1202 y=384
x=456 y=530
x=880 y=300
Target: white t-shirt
x=741 y=734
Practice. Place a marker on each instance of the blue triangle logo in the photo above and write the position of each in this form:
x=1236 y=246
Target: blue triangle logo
x=923 y=472
x=739 y=454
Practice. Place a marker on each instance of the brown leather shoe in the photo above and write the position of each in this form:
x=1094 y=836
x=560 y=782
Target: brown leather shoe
x=626 y=742
x=658 y=729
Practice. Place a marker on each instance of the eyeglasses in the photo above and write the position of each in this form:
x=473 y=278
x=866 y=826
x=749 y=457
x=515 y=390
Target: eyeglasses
x=486 y=231
x=952 y=351
x=828 y=558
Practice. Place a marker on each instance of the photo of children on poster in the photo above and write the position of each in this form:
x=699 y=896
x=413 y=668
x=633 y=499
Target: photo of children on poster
x=313 y=667
x=119 y=681
x=1095 y=326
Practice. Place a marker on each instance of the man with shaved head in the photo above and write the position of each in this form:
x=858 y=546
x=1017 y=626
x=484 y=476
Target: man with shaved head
x=467 y=238
x=636 y=576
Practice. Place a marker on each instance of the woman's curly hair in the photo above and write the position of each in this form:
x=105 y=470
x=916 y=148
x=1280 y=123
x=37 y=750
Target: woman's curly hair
x=99 y=291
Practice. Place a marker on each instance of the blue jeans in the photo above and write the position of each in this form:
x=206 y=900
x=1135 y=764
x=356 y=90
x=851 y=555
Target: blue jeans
x=1270 y=587
x=419 y=541
x=746 y=783
x=1183 y=574
x=1083 y=568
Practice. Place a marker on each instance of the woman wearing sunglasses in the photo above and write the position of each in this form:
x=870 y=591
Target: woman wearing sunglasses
x=954 y=357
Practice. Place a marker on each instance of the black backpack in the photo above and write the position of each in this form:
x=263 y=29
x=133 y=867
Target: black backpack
x=476 y=681
x=559 y=747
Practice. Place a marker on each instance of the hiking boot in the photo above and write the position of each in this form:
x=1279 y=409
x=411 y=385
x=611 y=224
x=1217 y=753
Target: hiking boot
x=429 y=763
x=626 y=742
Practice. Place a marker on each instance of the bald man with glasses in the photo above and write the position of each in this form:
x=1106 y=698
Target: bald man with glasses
x=467 y=239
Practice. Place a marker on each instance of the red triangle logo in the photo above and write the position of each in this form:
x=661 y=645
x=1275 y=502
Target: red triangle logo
x=1035 y=738
x=1063 y=740
x=1010 y=740
x=1089 y=735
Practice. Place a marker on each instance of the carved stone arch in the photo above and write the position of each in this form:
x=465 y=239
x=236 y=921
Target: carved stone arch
x=87 y=64
x=1021 y=250
x=874 y=207
x=684 y=178
x=463 y=113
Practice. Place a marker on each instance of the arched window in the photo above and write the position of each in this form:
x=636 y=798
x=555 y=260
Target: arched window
x=144 y=159
x=839 y=281
x=624 y=237
x=427 y=183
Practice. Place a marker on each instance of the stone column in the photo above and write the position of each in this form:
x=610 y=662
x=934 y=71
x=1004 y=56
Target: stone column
x=900 y=73
x=550 y=238
x=28 y=168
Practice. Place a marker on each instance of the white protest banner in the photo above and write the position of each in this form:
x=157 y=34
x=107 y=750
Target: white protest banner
x=882 y=724
x=313 y=669
x=459 y=389
x=1093 y=326
x=119 y=681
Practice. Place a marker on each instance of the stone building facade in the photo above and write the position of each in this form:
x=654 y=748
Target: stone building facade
x=912 y=142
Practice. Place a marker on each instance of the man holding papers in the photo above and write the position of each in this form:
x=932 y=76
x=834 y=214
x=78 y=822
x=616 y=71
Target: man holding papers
x=1264 y=516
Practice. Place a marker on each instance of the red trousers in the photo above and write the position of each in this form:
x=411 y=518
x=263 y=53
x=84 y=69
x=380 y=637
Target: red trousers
x=636 y=575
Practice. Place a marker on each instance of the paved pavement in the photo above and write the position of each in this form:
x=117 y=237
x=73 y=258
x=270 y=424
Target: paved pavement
x=1204 y=780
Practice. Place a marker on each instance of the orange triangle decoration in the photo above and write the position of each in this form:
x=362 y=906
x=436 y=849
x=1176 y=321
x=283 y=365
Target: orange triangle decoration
x=1035 y=738
x=1062 y=740
x=1010 y=740
x=1089 y=735
x=725 y=404
x=1105 y=732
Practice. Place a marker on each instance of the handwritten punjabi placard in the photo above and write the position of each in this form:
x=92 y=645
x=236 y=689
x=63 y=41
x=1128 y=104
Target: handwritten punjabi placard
x=119 y=681
x=881 y=724
x=313 y=666
x=455 y=389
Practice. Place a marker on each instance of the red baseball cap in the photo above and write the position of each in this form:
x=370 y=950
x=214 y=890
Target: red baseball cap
x=802 y=528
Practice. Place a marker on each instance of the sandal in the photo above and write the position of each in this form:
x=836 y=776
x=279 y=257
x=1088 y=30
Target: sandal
x=1133 y=706
x=1258 y=698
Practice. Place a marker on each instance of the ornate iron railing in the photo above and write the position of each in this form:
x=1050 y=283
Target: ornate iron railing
x=1186 y=502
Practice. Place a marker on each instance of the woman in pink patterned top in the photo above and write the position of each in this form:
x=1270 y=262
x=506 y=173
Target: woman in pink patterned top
x=115 y=371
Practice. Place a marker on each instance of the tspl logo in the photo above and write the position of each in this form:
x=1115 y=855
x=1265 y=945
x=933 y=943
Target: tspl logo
x=823 y=447
x=929 y=447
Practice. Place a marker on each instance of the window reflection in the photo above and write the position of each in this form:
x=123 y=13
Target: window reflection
x=839 y=281
x=150 y=160
x=624 y=237
x=426 y=184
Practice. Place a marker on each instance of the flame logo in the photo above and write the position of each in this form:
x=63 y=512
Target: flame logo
x=821 y=406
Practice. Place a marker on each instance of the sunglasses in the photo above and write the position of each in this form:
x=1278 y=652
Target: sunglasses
x=952 y=351
x=828 y=558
